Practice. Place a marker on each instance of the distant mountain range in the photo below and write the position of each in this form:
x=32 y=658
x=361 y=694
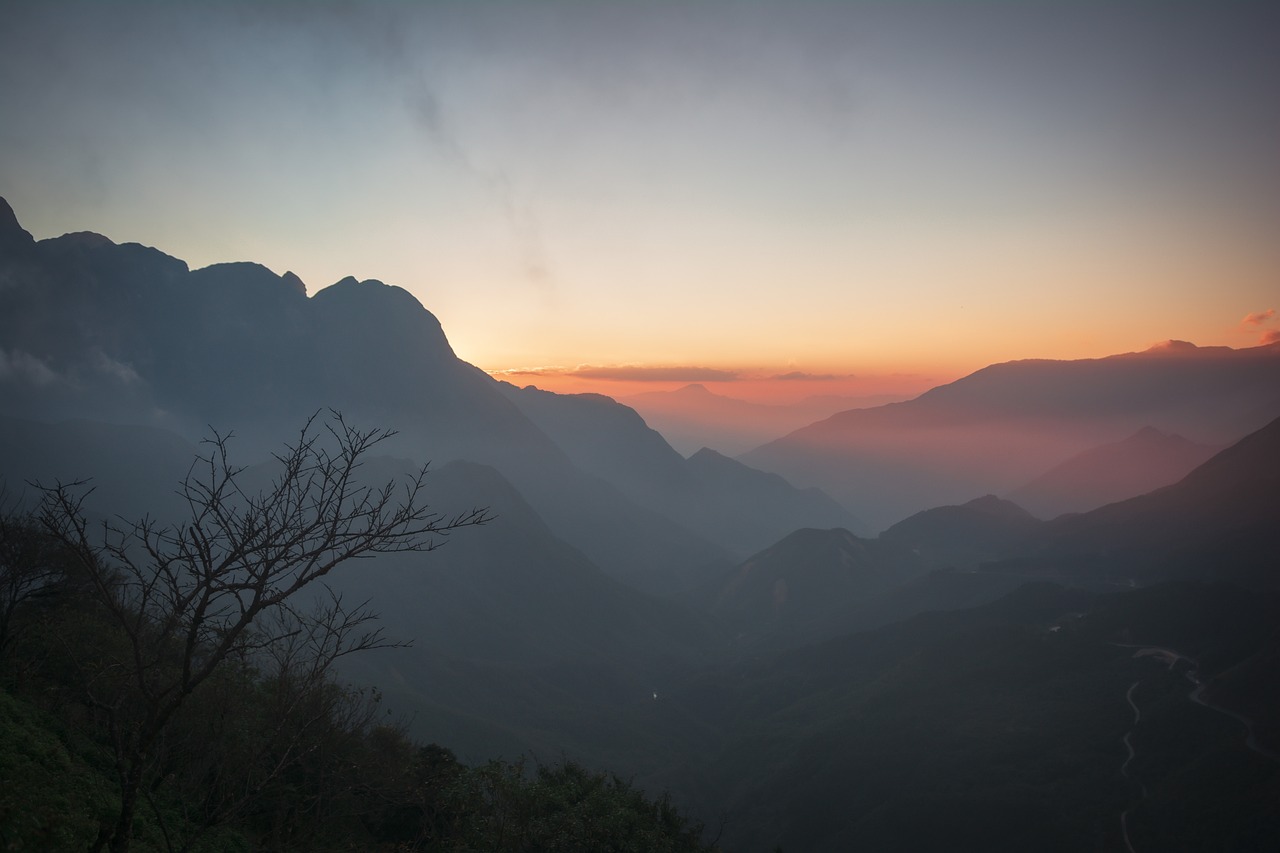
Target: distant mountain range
x=999 y=428
x=1216 y=523
x=694 y=417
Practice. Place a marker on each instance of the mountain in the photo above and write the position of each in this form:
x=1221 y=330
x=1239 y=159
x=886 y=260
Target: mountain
x=606 y=439
x=738 y=504
x=1217 y=522
x=514 y=592
x=801 y=579
x=964 y=536
x=1111 y=472
x=814 y=585
x=996 y=429
x=126 y=334
x=736 y=507
x=693 y=417
x=519 y=641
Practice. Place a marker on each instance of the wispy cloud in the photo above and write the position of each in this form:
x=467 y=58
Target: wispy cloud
x=529 y=371
x=628 y=373
x=632 y=373
x=23 y=367
x=117 y=370
x=801 y=376
x=521 y=219
x=1255 y=321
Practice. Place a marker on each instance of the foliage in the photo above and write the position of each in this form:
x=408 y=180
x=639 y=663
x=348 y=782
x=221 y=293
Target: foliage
x=570 y=809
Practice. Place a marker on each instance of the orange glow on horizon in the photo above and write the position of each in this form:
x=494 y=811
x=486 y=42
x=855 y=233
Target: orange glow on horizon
x=763 y=387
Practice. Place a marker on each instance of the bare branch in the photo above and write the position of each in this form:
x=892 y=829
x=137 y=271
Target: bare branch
x=224 y=585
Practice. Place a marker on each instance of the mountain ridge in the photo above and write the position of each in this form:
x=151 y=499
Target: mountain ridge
x=124 y=333
x=997 y=428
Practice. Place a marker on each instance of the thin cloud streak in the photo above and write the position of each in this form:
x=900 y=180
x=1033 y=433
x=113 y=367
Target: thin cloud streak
x=801 y=376
x=628 y=373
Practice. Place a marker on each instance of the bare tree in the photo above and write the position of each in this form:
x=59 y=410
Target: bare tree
x=223 y=586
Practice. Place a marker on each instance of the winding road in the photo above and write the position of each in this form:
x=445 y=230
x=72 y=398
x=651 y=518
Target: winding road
x=1171 y=658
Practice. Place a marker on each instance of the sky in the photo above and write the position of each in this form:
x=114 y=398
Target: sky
x=622 y=196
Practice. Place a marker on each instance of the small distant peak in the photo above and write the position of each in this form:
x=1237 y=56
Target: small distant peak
x=992 y=505
x=694 y=389
x=292 y=281
x=1172 y=347
x=1148 y=433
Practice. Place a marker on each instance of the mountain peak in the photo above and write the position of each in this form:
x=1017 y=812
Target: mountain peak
x=1171 y=347
x=1147 y=433
x=83 y=240
x=12 y=235
x=1181 y=349
x=995 y=506
x=291 y=279
x=694 y=389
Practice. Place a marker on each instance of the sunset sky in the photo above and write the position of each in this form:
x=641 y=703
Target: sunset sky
x=673 y=192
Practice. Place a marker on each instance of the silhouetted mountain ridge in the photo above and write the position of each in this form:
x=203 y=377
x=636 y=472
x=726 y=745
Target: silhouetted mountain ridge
x=127 y=334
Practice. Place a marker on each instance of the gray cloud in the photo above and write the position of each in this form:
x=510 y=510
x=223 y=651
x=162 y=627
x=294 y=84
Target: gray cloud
x=633 y=373
x=23 y=367
x=811 y=377
x=628 y=373
x=110 y=367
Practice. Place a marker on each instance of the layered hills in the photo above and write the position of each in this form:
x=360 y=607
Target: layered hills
x=997 y=429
